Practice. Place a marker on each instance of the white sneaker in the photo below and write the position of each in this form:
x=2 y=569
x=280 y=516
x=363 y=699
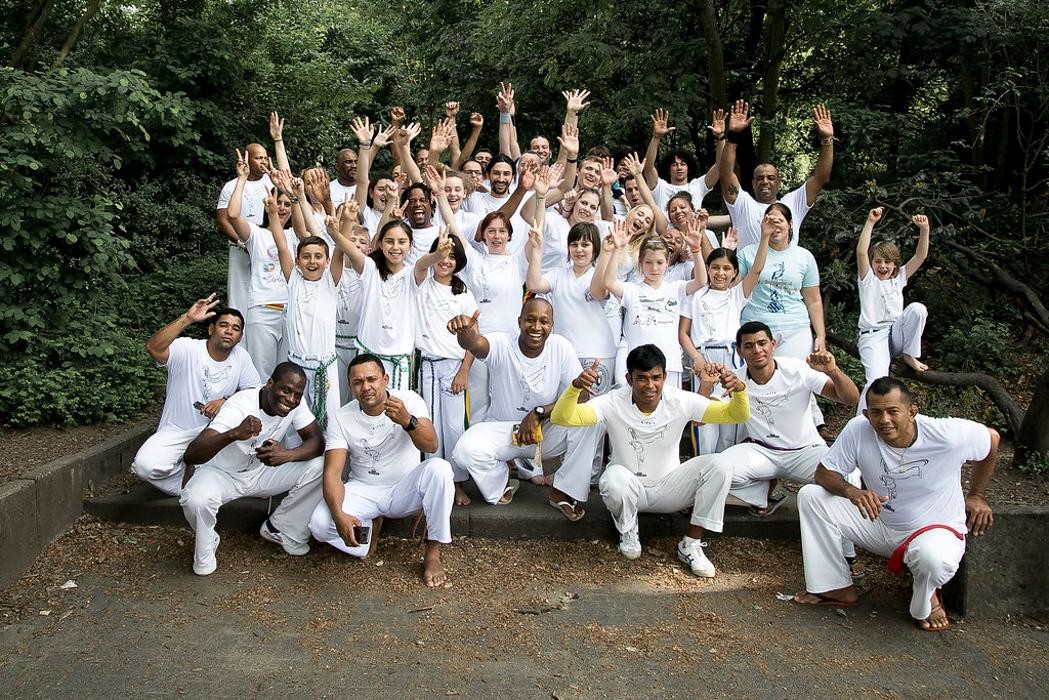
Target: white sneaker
x=206 y=565
x=692 y=555
x=630 y=543
x=296 y=549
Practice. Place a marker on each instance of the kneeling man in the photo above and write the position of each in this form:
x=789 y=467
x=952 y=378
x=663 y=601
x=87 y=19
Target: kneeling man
x=644 y=422
x=912 y=510
x=240 y=454
x=383 y=431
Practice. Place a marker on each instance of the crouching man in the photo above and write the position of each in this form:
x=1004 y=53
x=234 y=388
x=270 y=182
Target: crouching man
x=912 y=509
x=644 y=421
x=382 y=431
x=240 y=454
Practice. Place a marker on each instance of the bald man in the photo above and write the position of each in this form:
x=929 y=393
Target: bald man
x=252 y=209
x=344 y=186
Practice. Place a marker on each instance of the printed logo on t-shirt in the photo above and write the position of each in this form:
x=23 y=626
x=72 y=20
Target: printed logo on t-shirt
x=775 y=305
x=901 y=472
x=764 y=405
x=374 y=452
x=655 y=311
x=214 y=375
x=640 y=441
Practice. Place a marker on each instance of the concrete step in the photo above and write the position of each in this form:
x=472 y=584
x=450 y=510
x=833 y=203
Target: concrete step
x=528 y=517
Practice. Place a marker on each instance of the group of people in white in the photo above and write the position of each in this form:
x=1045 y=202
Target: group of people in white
x=471 y=316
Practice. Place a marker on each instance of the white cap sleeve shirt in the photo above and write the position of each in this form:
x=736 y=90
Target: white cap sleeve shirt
x=747 y=213
x=779 y=409
x=881 y=301
x=578 y=317
x=518 y=383
x=647 y=444
x=309 y=317
x=435 y=306
x=252 y=205
x=387 y=322
x=194 y=376
x=379 y=451
x=497 y=283
x=652 y=317
x=923 y=481
x=422 y=239
x=267 y=284
x=240 y=456
x=697 y=187
x=340 y=192
x=715 y=314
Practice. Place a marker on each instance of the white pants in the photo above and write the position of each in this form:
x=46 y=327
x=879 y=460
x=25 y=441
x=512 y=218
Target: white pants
x=826 y=520
x=754 y=466
x=237 y=279
x=345 y=351
x=428 y=486
x=313 y=392
x=712 y=438
x=603 y=385
x=447 y=410
x=159 y=460
x=263 y=330
x=878 y=346
x=478 y=387
x=797 y=343
x=484 y=449
x=210 y=487
x=701 y=481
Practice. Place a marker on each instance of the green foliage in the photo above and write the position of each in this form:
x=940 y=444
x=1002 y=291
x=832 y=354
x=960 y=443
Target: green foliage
x=1034 y=463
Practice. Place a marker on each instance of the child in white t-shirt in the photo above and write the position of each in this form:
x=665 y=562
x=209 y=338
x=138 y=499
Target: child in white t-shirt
x=707 y=329
x=887 y=328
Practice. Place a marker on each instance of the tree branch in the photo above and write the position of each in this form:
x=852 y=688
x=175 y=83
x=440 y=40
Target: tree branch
x=31 y=35
x=1007 y=281
x=91 y=11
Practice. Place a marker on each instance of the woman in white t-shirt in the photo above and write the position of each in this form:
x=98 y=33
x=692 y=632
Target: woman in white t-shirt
x=445 y=367
x=651 y=307
x=887 y=328
x=707 y=329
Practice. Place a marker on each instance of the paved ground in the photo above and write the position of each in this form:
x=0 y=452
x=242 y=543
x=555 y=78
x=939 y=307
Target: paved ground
x=527 y=619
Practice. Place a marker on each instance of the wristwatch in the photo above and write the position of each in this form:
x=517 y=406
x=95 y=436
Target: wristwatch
x=540 y=412
x=413 y=423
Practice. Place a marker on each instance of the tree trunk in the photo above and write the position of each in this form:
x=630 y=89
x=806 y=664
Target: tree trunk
x=775 y=49
x=31 y=35
x=1033 y=436
x=70 y=41
x=715 y=54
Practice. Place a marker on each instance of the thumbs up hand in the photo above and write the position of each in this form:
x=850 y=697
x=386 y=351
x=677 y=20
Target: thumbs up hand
x=462 y=322
x=587 y=378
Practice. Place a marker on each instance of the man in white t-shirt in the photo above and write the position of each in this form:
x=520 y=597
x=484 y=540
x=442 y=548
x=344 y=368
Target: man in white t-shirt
x=202 y=374
x=241 y=454
x=256 y=188
x=644 y=422
x=527 y=372
x=344 y=186
x=912 y=509
x=417 y=202
x=678 y=170
x=782 y=441
x=381 y=432
x=747 y=210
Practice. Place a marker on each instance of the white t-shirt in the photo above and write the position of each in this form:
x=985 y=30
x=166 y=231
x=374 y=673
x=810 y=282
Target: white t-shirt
x=578 y=317
x=387 y=322
x=679 y=272
x=370 y=219
x=379 y=451
x=348 y=304
x=422 y=239
x=194 y=376
x=497 y=283
x=251 y=204
x=881 y=301
x=466 y=222
x=779 y=409
x=715 y=314
x=240 y=456
x=747 y=213
x=697 y=187
x=267 y=284
x=481 y=203
x=340 y=192
x=651 y=316
x=923 y=481
x=517 y=384
x=647 y=444
x=309 y=317
x=435 y=306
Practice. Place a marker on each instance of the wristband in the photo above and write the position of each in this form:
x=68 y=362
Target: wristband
x=573 y=161
x=732 y=136
x=827 y=141
x=540 y=196
x=294 y=200
x=504 y=117
x=696 y=251
x=366 y=143
x=720 y=138
x=277 y=140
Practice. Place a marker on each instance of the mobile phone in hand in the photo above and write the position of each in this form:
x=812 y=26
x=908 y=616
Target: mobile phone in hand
x=199 y=406
x=361 y=533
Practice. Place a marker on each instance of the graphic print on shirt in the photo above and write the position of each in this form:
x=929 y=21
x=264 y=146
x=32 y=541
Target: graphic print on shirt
x=655 y=311
x=374 y=452
x=527 y=391
x=901 y=472
x=214 y=376
x=764 y=405
x=775 y=306
x=639 y=441
x=391 y=294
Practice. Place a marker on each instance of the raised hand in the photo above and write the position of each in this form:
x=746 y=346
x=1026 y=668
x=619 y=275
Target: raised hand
x=476 y=120
x=396 y=411
x=526 y=173
x=659 y=123
x=588 y=377
x=921 y=221
x=874 y=215
x=413 y=130
x=822 y=361
x=444 y=243
x=633 y=165
x=731 y=238
x=557 y=175
x=451 y=109
x=281 y=180
x=434 y=179
x=201 y=310
x=462 y=323
x=363 y=130
x=505 y=99
x=298 y=187
x=739 y=118
x=276 y=127
x=248 y=428
x=242 y=163
x=535 y=237
x=608 y=172
x=270 y=203
x=385 y=136
x=824 y=125
x=439 y=138
x=542 y=181
x=569 y=140
x=397 y=115
x=576 y=100
x=619 y=235
x=695 y=230
x=717 y=123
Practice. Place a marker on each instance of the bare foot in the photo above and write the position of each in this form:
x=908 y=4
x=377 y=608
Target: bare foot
x=461 y=499
x=937 y=620
x=843 y=597
x=433 y=572
x=543 y=480
x=914 y=363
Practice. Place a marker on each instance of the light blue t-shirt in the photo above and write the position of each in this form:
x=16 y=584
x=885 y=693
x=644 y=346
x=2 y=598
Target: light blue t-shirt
x=776 y=300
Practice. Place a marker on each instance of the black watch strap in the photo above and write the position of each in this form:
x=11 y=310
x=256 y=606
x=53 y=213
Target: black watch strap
x=413 y=423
